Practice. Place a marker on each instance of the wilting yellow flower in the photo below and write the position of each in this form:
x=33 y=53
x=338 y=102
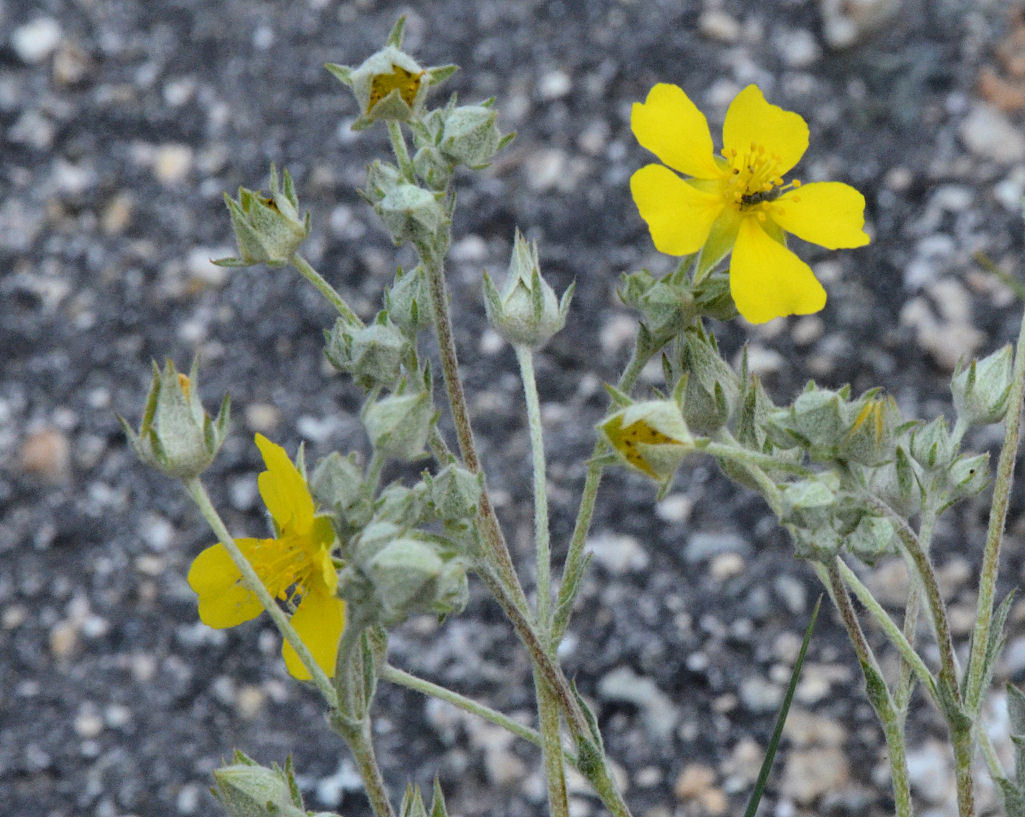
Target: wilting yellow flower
x=739 y=200
x=295 y=567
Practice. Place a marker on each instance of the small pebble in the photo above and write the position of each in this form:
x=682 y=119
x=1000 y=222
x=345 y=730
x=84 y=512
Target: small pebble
x=36 y=40
x=172 y=163
x=989 y=134
x=46 y=454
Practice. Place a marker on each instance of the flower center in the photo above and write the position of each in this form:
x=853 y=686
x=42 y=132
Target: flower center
x=752 y=178
x=284 y=566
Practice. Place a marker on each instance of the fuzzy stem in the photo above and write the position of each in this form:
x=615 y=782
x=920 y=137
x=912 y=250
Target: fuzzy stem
x=253 y=583
x=878 y=694
x=358 y=737
x=994 y=535
x=398 y=145
x=551 y=747
x=588 y=498
x=325 y=289
x=537 y=446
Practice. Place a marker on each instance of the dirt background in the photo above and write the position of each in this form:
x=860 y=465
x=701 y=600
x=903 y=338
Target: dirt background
x=122 y=122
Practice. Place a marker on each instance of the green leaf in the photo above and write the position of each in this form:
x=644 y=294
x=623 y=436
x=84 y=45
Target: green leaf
x=567 y=597
x=781 y=718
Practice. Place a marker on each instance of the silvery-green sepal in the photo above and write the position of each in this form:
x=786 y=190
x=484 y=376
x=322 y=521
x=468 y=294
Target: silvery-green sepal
x=872 y=434
x=398 y=425
x=897 y=483
x=666 y=306
x=412 y=213
x=816 y=421
x=433 y=167
x=526 y=311
x=982 y=388
x=413 y=803
x=967 y=476
x=246 y=789
x=408 y=301
x=382 y=178
x=809 y=513
x=403 y=506
x=454 y=492
x=268 y=229
x=712 y=297
x=338 y=486
x=372 y=354
x=872 y=538
x=932 y=446
x=712 y=388
x=471 y=136
x=176 y=435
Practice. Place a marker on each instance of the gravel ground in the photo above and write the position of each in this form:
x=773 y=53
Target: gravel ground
x=123 y=121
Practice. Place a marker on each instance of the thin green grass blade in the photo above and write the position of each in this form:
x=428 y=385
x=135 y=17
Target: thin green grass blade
x=781 y=718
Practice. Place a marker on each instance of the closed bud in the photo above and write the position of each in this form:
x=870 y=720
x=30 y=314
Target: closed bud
x=896 y=483
x=411 y=213
x=652 y=436
x=816 y=421
x=981 y=390
x=471 y=136
x=402 y=506
x=455 y=493
x=268 y=229
x=712 y=389
x=932 y=446
x=398 y=425
x=382 y=178
x=526 y=311
x=246 y=789
x=337 y=485
x=968 y=475
x=372 y=354
x=432 y=166
x=409 y=301
x=872 y=538
x=177 y=436
x=870 y=439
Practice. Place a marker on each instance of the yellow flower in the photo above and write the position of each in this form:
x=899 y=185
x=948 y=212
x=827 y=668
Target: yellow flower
x=295 y=567
x=738 y=200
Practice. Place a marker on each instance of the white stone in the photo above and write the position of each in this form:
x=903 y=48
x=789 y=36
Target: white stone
x=988 y=133
x=36 y=40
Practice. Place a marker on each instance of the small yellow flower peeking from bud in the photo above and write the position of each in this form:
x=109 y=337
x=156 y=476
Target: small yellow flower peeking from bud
x=651 y=436
x=738 y=201
x=295 y=567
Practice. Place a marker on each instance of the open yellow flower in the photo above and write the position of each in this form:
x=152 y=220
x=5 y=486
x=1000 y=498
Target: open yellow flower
x=739 y=200
x=295 y=567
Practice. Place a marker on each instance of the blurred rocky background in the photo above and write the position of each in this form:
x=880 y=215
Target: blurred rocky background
x=121 y=122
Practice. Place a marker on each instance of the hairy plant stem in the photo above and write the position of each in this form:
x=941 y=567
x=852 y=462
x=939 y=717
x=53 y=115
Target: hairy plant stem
x=994 y=534
x=551 y=746
x=595 y=468
x=542 y=543
x=358 y=736
x=324 y=288
x=504 y=583
x=875 y=686
x=398 y=144
x=253 y=583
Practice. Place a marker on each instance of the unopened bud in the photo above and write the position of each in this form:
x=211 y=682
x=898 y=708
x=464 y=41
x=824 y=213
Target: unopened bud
x=471 y=135
x=409 y=301
x=399 y=425
x=871 y=436
x=268 y=229
x=246 y=789
x=177 y=436
x=932 y=446
x=411 y=213
x=712 y=389
x=372 y=354
x=337 y=485
x=455 y=492
x=526 y=312
x=981 y=390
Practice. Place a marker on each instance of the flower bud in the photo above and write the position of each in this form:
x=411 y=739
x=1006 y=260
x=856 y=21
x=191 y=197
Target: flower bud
x=871 y=436
x=816 y=421
x=652 y=436
x=931 y=445
x=372 y=354
x=402 y=506
x=398 y=425
x=177 y=436
x=411 y=213
x=433 y=167
x=268 y=230
x=981 y=390
x=968 y=475
x=526 y=312
x=337 y=485
x=409 y=302
x=712 y=389
x=246 y=789
x=896 y=483
x=382 y=178
x=872 y=538
x=471 y=135
x=712 y=297
x=455 y=493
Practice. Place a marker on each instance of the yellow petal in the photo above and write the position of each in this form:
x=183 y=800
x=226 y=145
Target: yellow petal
x=223 y=600
x=669 y=125
x=679 y=216
x=319 y=621
x=752 y=120
x=830 y=214
x=283 y=488
x=767 y=280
